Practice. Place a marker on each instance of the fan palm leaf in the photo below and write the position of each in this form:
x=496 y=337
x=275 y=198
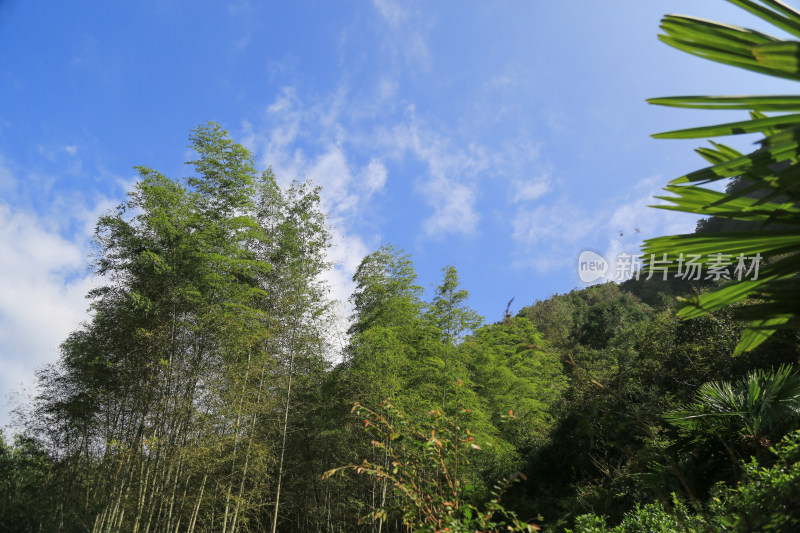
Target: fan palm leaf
x=763 y=404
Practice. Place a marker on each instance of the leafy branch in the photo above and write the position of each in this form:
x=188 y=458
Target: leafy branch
x=427 y=468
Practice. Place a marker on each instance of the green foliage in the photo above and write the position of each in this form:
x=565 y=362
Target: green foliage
x=225 y=170
x=25 y=485
x=386 y=292
x=771 y=193
x=161 y=411
x=765 y=500
x=198 y=396
x=649 y=518
x=429 y=469
x=448 y=311
x=511 y=369
x=765 y=404
x=591 y=316
x=609 y=447
x=605 y=319
x=416 y=352
x=387 y=326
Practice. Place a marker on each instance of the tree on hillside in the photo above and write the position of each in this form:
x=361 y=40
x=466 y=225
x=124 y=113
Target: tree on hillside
x=440 y=364
x=449 y=311
x=386 y=291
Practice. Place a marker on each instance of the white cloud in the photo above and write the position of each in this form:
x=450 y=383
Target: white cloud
x=416 y=51
x=331 y=170
x=337 y=144
x=387 y=89
x=404 y=36
x=502 y=80
x=302 y=141
x=345 y=254
x=450 y=187
x=636 y=220
x=551 y=235
x=284 y=102
x=7 y=181
x=244 y=16
x=45 y=279
x=334 y=143
x=557 y=121
x=44 y=265
x=453 y=207
x=324 y=157
x=552 y=223
x=390 y=11
x=525 y=191
x=373 y=176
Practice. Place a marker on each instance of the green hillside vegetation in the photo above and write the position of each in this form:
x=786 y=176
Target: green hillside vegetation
x=200 y=397
x=211 y=388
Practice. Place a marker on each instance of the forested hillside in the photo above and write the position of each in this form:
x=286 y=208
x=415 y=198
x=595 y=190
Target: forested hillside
x=203 y=394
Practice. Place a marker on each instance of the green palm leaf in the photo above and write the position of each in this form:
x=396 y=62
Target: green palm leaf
x=765 y=403
x=770 y=197
x=758 y=103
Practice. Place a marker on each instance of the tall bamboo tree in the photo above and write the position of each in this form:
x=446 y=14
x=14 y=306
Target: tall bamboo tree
x=164 y=401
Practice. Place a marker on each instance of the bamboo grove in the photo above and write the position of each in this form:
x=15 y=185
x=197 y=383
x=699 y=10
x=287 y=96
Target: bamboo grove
x=205 y=394
x=169 y=410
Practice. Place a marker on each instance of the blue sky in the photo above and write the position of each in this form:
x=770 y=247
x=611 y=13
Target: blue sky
x=501 y=137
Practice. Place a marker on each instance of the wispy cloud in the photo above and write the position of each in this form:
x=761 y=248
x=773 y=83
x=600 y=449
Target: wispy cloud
x=547 y=235
x=633 y=220
x=551 y=234
x=355 y=140
x=245 y=16
x=527 y=190
x=8 y=182
x=405 y=37
x=453 y=207
x=307 y=141
x=373 y=177
x=450 y=186
x=391 y=11
x=302 y=140
x=335 y=144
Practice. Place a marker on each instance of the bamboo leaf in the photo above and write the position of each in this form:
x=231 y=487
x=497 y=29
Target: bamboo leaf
x=790 y=22
x=758 y=103
x=732 y=128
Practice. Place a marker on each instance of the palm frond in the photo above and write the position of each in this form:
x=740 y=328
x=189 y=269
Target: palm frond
x=764 y=403
x=770 y=198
